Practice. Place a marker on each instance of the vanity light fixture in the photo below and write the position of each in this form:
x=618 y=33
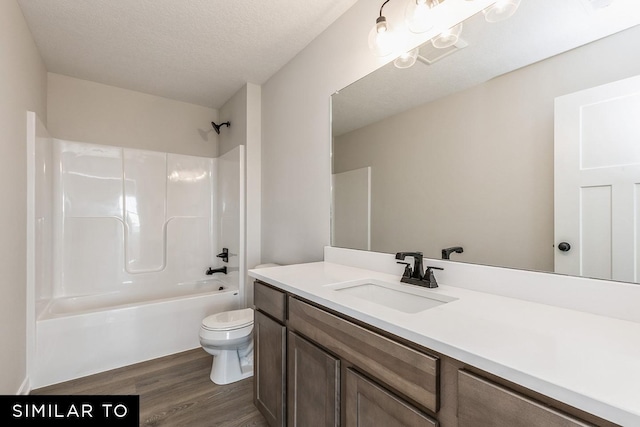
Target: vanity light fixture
x=418 y=15
x=447 y=38
x=381 y=37
x=501 y=10
x=419 y=19
x=407 y=59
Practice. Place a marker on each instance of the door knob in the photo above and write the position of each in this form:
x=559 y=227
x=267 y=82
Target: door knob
x=564 y=247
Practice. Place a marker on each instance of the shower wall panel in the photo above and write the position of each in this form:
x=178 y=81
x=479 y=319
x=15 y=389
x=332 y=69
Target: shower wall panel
x=131 y=218
x=192 y=236
x=145 y=210
x=43 y=227
x=89 y=227
x=230 y=210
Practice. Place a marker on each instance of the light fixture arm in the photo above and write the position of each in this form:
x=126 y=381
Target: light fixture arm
x=383 y=4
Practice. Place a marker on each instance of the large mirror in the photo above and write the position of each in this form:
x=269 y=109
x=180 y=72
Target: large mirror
x=458 y=149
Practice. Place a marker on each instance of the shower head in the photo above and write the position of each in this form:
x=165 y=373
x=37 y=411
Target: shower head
x=217 y=127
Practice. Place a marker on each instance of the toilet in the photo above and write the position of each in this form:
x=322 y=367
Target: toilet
x=228 y=337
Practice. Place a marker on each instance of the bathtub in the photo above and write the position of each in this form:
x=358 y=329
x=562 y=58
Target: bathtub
x=84 y=335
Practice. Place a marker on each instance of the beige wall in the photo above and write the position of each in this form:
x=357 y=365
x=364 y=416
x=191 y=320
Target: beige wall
x=296 y=171
x=235 y=112
x=23 y=81
x=475 y=169
x=80 y=110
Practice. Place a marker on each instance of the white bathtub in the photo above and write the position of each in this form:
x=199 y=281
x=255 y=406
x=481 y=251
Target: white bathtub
x=78 y=336
x=68 y=306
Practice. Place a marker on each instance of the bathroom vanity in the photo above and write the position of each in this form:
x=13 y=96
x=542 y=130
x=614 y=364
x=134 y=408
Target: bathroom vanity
x=339 y=345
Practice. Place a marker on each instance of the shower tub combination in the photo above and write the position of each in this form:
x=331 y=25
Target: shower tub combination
x=122 y=241
x=78 y=336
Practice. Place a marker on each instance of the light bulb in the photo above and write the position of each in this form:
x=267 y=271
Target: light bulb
x=381 y=38
x=501 y=10
x=418 y=15
x=407 y=59
x=448 y=37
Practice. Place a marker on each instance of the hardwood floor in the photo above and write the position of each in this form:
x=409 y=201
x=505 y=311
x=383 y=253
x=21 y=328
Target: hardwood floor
x=174 y=391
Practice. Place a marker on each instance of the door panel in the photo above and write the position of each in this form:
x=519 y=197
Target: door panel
x=597 y=174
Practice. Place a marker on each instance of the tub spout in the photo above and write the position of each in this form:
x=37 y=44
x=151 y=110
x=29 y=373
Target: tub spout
x=211 y=271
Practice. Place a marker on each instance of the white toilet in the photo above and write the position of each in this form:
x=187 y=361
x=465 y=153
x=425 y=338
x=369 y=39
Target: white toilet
x=228 y=337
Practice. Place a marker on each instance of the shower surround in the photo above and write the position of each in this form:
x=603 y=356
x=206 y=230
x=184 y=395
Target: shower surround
x=123 y=238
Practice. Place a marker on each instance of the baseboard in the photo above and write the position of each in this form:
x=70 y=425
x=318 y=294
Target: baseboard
x=25 y=388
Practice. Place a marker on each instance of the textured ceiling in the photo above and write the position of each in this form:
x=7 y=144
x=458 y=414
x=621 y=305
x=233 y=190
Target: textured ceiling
x=539 y=29
x=198 y=51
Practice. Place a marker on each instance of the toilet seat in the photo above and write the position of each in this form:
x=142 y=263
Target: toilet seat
x=228 y=320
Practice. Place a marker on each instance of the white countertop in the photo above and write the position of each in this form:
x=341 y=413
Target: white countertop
x=588 y=361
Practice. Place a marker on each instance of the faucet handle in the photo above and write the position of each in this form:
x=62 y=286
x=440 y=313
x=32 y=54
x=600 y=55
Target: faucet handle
x=407 y=269
x=224 y=254
x=430 y=277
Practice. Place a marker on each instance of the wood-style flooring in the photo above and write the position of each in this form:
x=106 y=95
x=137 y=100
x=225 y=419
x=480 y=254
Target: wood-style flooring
x=174 y=391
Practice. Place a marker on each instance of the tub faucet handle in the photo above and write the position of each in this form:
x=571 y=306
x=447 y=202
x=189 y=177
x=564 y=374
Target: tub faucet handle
x=224 y=254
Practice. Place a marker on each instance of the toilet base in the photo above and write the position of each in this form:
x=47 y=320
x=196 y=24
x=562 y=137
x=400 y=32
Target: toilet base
x=228 y=367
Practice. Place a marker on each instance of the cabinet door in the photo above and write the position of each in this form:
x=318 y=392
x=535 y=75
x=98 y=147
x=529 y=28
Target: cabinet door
x=314 y=385
x=269 y=368
x=369 y=405
x=483 y=403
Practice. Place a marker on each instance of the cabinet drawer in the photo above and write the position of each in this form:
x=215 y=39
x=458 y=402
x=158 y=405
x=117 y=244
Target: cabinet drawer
x=483 y=403
x=410 y=372
x=270 y=301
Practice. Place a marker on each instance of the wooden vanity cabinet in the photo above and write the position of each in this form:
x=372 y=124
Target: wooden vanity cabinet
x=337 y=372
x=269 y=354
x=484 y=403
x=320 y=342
x=315 y=367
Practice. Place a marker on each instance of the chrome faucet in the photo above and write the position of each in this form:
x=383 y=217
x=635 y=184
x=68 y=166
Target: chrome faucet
x=414 y=276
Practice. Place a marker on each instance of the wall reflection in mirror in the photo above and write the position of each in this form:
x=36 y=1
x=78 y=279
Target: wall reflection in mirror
x=458 y=149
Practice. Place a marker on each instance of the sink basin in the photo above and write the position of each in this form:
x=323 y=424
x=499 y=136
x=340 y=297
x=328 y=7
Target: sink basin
x=388 y=295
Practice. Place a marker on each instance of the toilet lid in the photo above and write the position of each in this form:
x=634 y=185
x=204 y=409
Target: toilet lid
x=227 y=320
